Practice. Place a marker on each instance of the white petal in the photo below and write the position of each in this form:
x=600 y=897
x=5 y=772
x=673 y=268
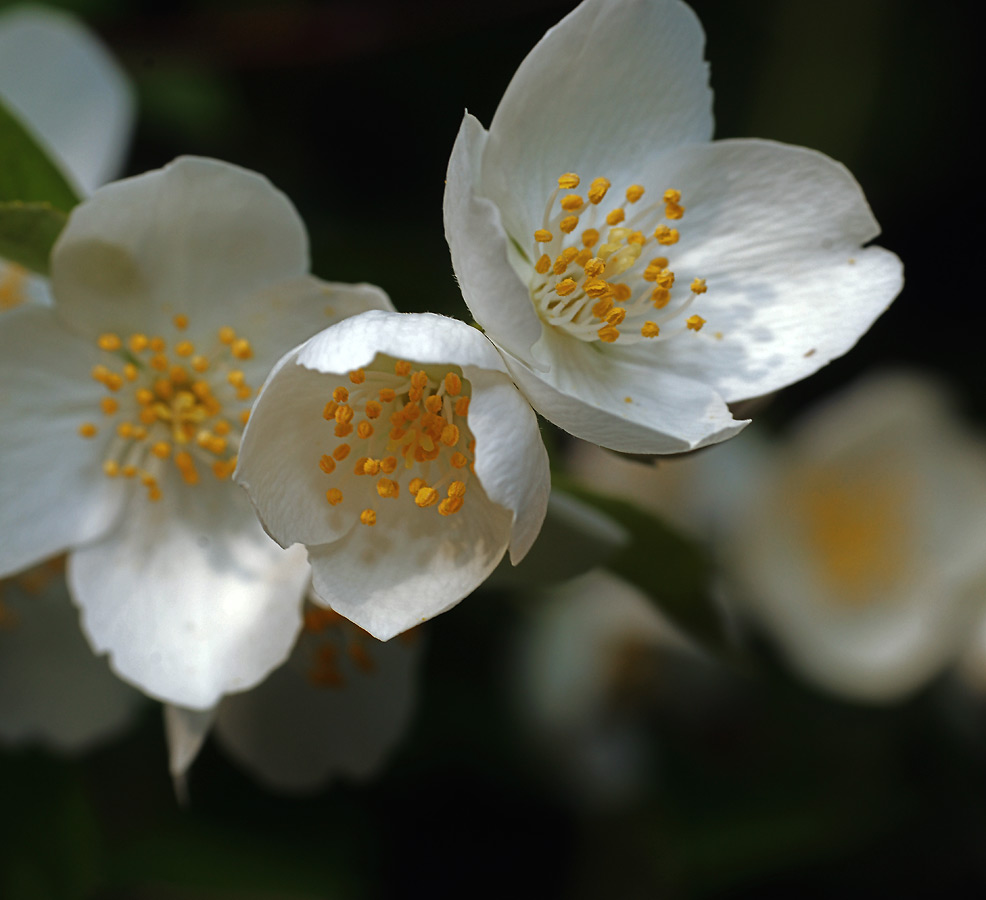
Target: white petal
x=613 y=83
x=188 y=596
x=411 y=566
x=777 y=232
x=185 y=731
x=199 y=237
x=53 y=493
x=53 y=689
x=586 y=392
x=58 y=76
x=294 y=734
x=494 y=293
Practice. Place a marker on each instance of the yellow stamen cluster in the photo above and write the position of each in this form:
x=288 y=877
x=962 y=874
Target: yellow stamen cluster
x=334 y=637
x=396 y=421
x=171 y=402
x=602 y=284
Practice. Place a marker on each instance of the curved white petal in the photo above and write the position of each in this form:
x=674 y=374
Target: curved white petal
x=53 y=494
x=189 y=597
x=621 y=404
x=614 y=82
x=479 y=247
x=199 y=238
x=295 y=733
x=185 y=731
x=64 y=84
x=777 y=232
x=53 y=689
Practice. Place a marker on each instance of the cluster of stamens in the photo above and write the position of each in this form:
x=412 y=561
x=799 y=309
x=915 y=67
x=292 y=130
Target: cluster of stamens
x=177 y=402
x=400 y=422
x=593 y=274
x=336 y=637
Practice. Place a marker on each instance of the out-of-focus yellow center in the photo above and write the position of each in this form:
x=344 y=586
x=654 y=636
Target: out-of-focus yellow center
x=12 y=282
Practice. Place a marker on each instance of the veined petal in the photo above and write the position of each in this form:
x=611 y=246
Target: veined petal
x=621 y=404
x=53 y=689
x=336 y=707
x=59 y=77
x=777 y=232
x=190 y=599
x=218 y=235
x=614 y=82
x=52 y=494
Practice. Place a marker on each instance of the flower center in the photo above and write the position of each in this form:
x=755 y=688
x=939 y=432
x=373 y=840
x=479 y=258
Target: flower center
x=176 y=402
x=856 y=527
x=12 y=278
x=606 y=277
x=428 y=439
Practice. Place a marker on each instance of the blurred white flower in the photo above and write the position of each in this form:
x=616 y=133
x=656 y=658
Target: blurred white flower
x=857 y=542
x=61 y=82
x=53 y=690
x=636 y=276
x=396 y=448
x=123 y=406
x=337 y=708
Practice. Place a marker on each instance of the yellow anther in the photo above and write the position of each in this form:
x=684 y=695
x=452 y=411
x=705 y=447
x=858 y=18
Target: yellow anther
x=601 y=307
x=695 y=323
x=543 y=236
x=109 y=341
x=340 y=395
x=387 y=395
x=416 y=484
x=660 y=297
x=241 y=349
x=608 y=334
x=433 y=404
x=327 y=464
x=113 y=381
x=450 y=435
x=698 y=286
x=572 y=203
x=184 y=348
x=186 y=466
x=358 y=468
x=597 y=190
x=357 y=376
x=459 y=460
x=622 y=292
x=453 y=384
x=364 y=430
x=665 y=279
x=564 y=259
x=634 y=193
x=565 y=287
x=160 y=362
x=672 y=196
x=569 y=224
x=223 y=468
x=130 y=371
x=450 y=505
x=144 y=396
x=650 y=330
x=125 y=430
x=227 y=335
x=88 y=430
x=344 y=414
x=403 y=368
x=341 y=452
x=138 y=343
x=636 y=237
x=410 y=411
x=244 y=416
x=111 y=468
x=387 y=488
x=661 y=262
x=419 y=380
x=371 y=466
x=334 y=496
x=128 y=471
x=673 y=211
x=343 y=429
x=457 y=489
x=543 y=264
x=373 y=409
x=388 y=464
x=427 y=496
x=666 y=236
x=590 y=237
x=616 y=316
x=109 y=405
x=329 y=410
x=596 y=288
x=615 y=216
x=148 y=415
x=569 y=181
x=585 y=254
x=594 y=267
x=222 y=427
x=462 y=406
x=157 y=344
x=180 y=322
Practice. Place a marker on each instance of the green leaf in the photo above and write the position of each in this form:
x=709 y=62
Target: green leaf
x=671 y=570
x=28 y=231
x=27 y=173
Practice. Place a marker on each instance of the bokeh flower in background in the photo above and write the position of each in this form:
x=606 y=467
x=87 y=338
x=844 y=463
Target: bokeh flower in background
x=396 y=448
x=636 y=276
x=123 y=405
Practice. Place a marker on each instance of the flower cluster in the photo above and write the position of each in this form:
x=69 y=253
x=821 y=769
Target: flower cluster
x=255 y=474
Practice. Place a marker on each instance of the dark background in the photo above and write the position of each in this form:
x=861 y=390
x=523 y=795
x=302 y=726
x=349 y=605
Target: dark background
x=351 y=108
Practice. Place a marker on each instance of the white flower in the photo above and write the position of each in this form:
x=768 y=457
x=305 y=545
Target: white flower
x=337 y=707
x=66 y=88
x=53 y=689
x=122 y=408
x=398 y=450
x=857 y=543
x=595 y=230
